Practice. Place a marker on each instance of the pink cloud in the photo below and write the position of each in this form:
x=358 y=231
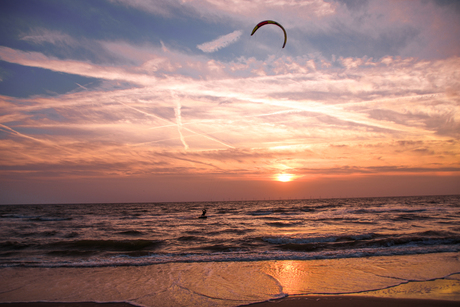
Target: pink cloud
x=355 y=116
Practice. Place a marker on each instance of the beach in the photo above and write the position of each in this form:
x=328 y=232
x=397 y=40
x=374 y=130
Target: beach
x=389 y=281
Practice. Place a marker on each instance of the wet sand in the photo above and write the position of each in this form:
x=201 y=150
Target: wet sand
x=411 y=280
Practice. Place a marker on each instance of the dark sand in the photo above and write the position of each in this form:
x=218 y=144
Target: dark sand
x=300 y=301
x=350 y=301
x=53 y=304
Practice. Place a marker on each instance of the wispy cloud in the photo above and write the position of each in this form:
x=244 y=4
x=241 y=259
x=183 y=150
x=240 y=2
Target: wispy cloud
x=41 y=35
x=220 y=42
x=356 y=117
x=177 y=113
x=240 y=9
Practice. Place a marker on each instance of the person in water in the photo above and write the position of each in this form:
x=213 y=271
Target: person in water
x=204 y=213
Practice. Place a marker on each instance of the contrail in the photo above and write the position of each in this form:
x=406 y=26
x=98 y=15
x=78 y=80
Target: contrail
x=22 y=135
x=166 y=120
x=179 y=124
x=81 y=86
x=243 y=118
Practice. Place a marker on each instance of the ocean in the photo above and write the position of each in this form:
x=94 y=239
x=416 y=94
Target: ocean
x=140 y=234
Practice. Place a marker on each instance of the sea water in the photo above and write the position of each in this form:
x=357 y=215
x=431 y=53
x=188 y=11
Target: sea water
x=162 y=254
x=97 y=235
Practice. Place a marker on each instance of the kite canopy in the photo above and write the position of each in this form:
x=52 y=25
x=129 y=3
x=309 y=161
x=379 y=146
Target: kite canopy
x=266 y=22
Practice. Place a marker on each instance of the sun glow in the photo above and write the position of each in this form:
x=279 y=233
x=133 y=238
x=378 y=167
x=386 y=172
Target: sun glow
x=284 y=177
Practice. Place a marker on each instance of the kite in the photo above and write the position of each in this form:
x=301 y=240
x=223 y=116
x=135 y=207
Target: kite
x=266 y=22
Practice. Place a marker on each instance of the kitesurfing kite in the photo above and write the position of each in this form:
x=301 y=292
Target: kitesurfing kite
x=266 y=22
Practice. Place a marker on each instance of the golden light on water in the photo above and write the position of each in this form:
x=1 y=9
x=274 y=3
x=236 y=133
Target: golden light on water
x=284 y=177
x=294 y=276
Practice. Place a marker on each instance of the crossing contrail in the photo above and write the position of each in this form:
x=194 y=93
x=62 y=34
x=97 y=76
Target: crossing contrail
x=179 y=124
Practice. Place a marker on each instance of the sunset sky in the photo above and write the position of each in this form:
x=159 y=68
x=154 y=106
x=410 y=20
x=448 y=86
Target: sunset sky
x=152 y=100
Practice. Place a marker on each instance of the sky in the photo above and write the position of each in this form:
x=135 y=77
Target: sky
x=157 y=101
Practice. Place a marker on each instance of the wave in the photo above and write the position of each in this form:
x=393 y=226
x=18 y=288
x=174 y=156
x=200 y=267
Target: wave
x=261 y=212
x=224 y=254
x=222 y=248
x=16 y=216
x=108 y=245
x=410 y=217
x=84 y=245
x=13 y=245
x=35 y=217
x=190 y=238
x=50 y=219
x=71 y=253
x=370 y=240
x=386 y=210
x=283 y=224
x=316 y=239
x=133 y=233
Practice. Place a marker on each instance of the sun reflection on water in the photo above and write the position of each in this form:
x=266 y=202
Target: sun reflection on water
x=293 y=275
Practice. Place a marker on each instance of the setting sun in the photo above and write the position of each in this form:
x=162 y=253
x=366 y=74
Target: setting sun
x=284 y=177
